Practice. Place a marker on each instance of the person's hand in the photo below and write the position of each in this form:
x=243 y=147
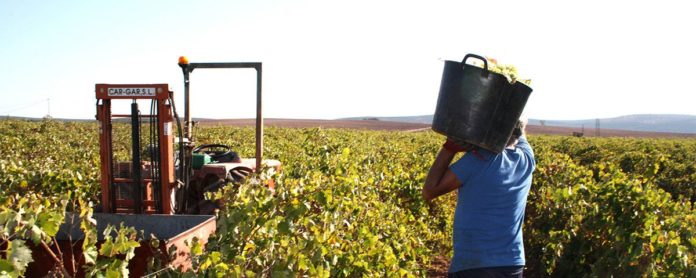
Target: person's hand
x=523 y=121
x=453 y=147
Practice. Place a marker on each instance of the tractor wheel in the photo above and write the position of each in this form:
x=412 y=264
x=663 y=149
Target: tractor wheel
x=210 y=206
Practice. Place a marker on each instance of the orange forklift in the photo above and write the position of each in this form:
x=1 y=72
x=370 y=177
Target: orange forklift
x=167 y=173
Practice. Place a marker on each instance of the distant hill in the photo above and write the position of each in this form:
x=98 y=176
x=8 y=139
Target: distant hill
x=642 y=122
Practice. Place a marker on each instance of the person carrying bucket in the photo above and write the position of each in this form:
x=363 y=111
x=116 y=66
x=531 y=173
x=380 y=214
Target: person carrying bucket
x=493 y=188
x=493 y=177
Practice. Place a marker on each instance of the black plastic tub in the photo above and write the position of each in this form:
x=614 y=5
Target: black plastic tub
x=477 y=106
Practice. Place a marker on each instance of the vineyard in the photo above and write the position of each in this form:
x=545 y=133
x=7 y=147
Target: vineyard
x=348 y=203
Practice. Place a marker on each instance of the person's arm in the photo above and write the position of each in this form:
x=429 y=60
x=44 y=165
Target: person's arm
x=440 y=179
x=522 y=141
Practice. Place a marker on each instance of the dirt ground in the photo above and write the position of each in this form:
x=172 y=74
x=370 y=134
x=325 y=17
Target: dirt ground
x=386 y=125
x=439 y=267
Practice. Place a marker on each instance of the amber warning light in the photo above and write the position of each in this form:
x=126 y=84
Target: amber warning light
x=183 y=60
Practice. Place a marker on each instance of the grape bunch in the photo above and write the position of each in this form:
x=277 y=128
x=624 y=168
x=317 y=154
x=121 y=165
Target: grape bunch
x=509 y=71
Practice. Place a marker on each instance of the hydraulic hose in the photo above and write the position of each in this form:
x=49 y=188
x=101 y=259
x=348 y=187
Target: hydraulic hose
x=180 y=203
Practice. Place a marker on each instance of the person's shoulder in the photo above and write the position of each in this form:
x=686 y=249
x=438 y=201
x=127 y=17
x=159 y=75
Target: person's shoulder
x=469 y=164
x=474 y=156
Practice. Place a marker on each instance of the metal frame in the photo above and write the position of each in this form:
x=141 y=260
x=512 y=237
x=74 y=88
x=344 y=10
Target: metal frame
x=188 y=68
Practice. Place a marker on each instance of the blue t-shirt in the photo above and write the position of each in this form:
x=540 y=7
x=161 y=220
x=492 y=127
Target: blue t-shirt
x=488 y=219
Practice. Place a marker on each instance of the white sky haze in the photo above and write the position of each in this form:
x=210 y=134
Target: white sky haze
x=333 y=59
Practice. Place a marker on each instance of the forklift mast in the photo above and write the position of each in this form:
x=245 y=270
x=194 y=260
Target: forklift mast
x=135 y=192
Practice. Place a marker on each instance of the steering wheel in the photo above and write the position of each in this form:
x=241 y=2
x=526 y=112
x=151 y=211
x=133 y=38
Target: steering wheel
x=215 y=154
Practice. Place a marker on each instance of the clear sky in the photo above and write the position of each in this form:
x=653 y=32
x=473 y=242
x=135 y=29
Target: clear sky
x=333 y=59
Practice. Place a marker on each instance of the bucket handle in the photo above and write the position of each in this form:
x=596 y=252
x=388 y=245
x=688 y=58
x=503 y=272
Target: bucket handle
x=485 y=62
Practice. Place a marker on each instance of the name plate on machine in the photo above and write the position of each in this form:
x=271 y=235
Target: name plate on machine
x=127 y=92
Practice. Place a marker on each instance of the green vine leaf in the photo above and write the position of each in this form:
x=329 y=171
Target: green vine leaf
x=19 y=255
